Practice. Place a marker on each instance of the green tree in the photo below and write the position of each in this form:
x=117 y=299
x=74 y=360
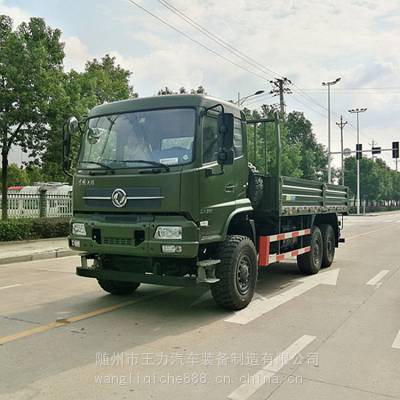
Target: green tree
x=182 y=90
x=264 y=158
x=17 y=176
x=314 y=158
x=377 y=181
x=34 y=174
x=30 y=69
x=102 y=81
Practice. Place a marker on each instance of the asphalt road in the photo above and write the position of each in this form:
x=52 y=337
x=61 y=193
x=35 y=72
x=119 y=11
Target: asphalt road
x=331 y=336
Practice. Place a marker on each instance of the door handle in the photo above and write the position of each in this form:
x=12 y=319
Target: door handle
x=229 y=188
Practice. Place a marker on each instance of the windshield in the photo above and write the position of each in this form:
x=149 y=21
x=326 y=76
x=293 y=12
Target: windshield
x=139 y=139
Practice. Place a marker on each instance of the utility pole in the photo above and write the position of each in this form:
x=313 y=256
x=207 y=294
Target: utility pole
x=279 y=89
x=329 y=84
x=341 y=125
x=358 y=111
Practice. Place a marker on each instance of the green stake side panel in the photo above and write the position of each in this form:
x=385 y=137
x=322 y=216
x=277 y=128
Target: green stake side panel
x=287 y=196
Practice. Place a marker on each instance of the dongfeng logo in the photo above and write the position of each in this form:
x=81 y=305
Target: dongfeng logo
x=119 y=198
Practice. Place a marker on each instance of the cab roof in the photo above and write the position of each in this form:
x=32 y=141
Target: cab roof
x=164 y=101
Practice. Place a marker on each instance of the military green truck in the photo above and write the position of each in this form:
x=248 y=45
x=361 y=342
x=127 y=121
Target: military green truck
x=163 y=193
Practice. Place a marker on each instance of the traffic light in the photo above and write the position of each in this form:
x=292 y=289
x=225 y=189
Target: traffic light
x=358 y=151
x=395 y=149
x=376 y=150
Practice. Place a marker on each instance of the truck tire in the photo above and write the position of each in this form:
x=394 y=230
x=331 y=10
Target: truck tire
x=118 y=288
x=310 y=263
x=328 y=238
x=237 y=273
x=255 y=188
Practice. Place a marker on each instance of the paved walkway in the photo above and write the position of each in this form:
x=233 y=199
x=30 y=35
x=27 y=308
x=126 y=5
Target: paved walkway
x=31 y=250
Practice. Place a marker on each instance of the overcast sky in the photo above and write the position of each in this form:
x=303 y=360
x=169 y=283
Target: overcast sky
x=308 y=41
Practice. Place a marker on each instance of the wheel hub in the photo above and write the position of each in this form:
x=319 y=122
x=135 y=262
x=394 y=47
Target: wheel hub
x=316 y=252
x=243 y=275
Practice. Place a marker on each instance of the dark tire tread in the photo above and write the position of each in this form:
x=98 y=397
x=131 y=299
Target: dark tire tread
x=224 y=292
x=255 y=189
x=305 y=261
x=118 y=288
x=327 y=230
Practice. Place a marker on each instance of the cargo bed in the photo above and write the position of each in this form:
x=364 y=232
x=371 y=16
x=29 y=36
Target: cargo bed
x=286 y=196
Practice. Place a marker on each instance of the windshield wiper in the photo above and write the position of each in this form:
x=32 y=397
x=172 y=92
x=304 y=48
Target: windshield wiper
x=107 y=167
x=154 y=163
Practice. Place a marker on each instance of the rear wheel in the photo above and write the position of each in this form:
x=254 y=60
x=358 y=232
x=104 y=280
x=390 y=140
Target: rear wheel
x=237 y=273
x=328 y=237
x=310 y=263
x=118 y=287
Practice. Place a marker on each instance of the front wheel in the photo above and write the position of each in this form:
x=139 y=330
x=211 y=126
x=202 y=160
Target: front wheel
x=118 y=287
x=237 y=273
x=310 y=263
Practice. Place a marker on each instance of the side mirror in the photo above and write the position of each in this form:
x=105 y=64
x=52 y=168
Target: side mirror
x=72 y=125
x=69 y=128
x=225 y=138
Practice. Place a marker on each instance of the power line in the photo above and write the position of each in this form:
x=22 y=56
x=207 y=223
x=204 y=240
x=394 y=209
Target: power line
x=194 y=40
x=218 y=39
x=221 y=42
x=230 y=48
x=355 y=88
x=279 y=88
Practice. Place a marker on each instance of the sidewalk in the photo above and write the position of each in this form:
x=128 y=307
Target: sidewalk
x=12 y=252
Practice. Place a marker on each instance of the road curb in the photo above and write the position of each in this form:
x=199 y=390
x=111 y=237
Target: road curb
x=45 y=255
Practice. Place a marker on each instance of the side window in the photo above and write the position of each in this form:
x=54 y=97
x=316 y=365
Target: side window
x=238 y=138
x=210 y=139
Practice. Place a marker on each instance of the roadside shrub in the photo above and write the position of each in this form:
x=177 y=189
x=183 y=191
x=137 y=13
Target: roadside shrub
x=50 y=227
x=15 y=229
x=27 y=229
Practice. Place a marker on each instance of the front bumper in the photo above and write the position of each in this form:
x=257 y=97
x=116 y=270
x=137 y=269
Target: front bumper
x=136 y=277
x=128 y=237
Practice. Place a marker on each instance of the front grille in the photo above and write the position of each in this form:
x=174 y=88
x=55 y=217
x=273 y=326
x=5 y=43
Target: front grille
x=113 y=241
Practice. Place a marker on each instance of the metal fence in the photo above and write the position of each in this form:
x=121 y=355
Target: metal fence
x=41 y=205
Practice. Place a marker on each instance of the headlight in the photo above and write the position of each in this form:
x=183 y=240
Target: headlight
x=78 y=229
x=168 y=232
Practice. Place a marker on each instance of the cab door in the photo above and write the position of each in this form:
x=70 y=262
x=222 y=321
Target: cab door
x=218 y=191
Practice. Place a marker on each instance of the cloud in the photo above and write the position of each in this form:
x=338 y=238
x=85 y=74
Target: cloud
x=76 y=53
x=17 y=14
x=309 y=41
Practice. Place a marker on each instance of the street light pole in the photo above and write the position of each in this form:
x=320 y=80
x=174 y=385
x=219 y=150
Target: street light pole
x=240 y=100
x=358 y=111
x=329 y=84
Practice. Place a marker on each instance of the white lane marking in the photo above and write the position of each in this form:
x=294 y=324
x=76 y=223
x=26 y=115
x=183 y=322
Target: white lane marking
x=396 y=343
x=376 y=280
x=10 y=286
x=204 y=297
x=245 y=390
x=258 y=296
x=260 y=307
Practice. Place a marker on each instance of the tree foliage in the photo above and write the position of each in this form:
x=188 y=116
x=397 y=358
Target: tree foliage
x=182 y=90
x=102 y=81
x=30 y=70
x=378 y=182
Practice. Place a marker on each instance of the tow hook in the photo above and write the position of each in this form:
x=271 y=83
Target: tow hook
x=206 y=271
